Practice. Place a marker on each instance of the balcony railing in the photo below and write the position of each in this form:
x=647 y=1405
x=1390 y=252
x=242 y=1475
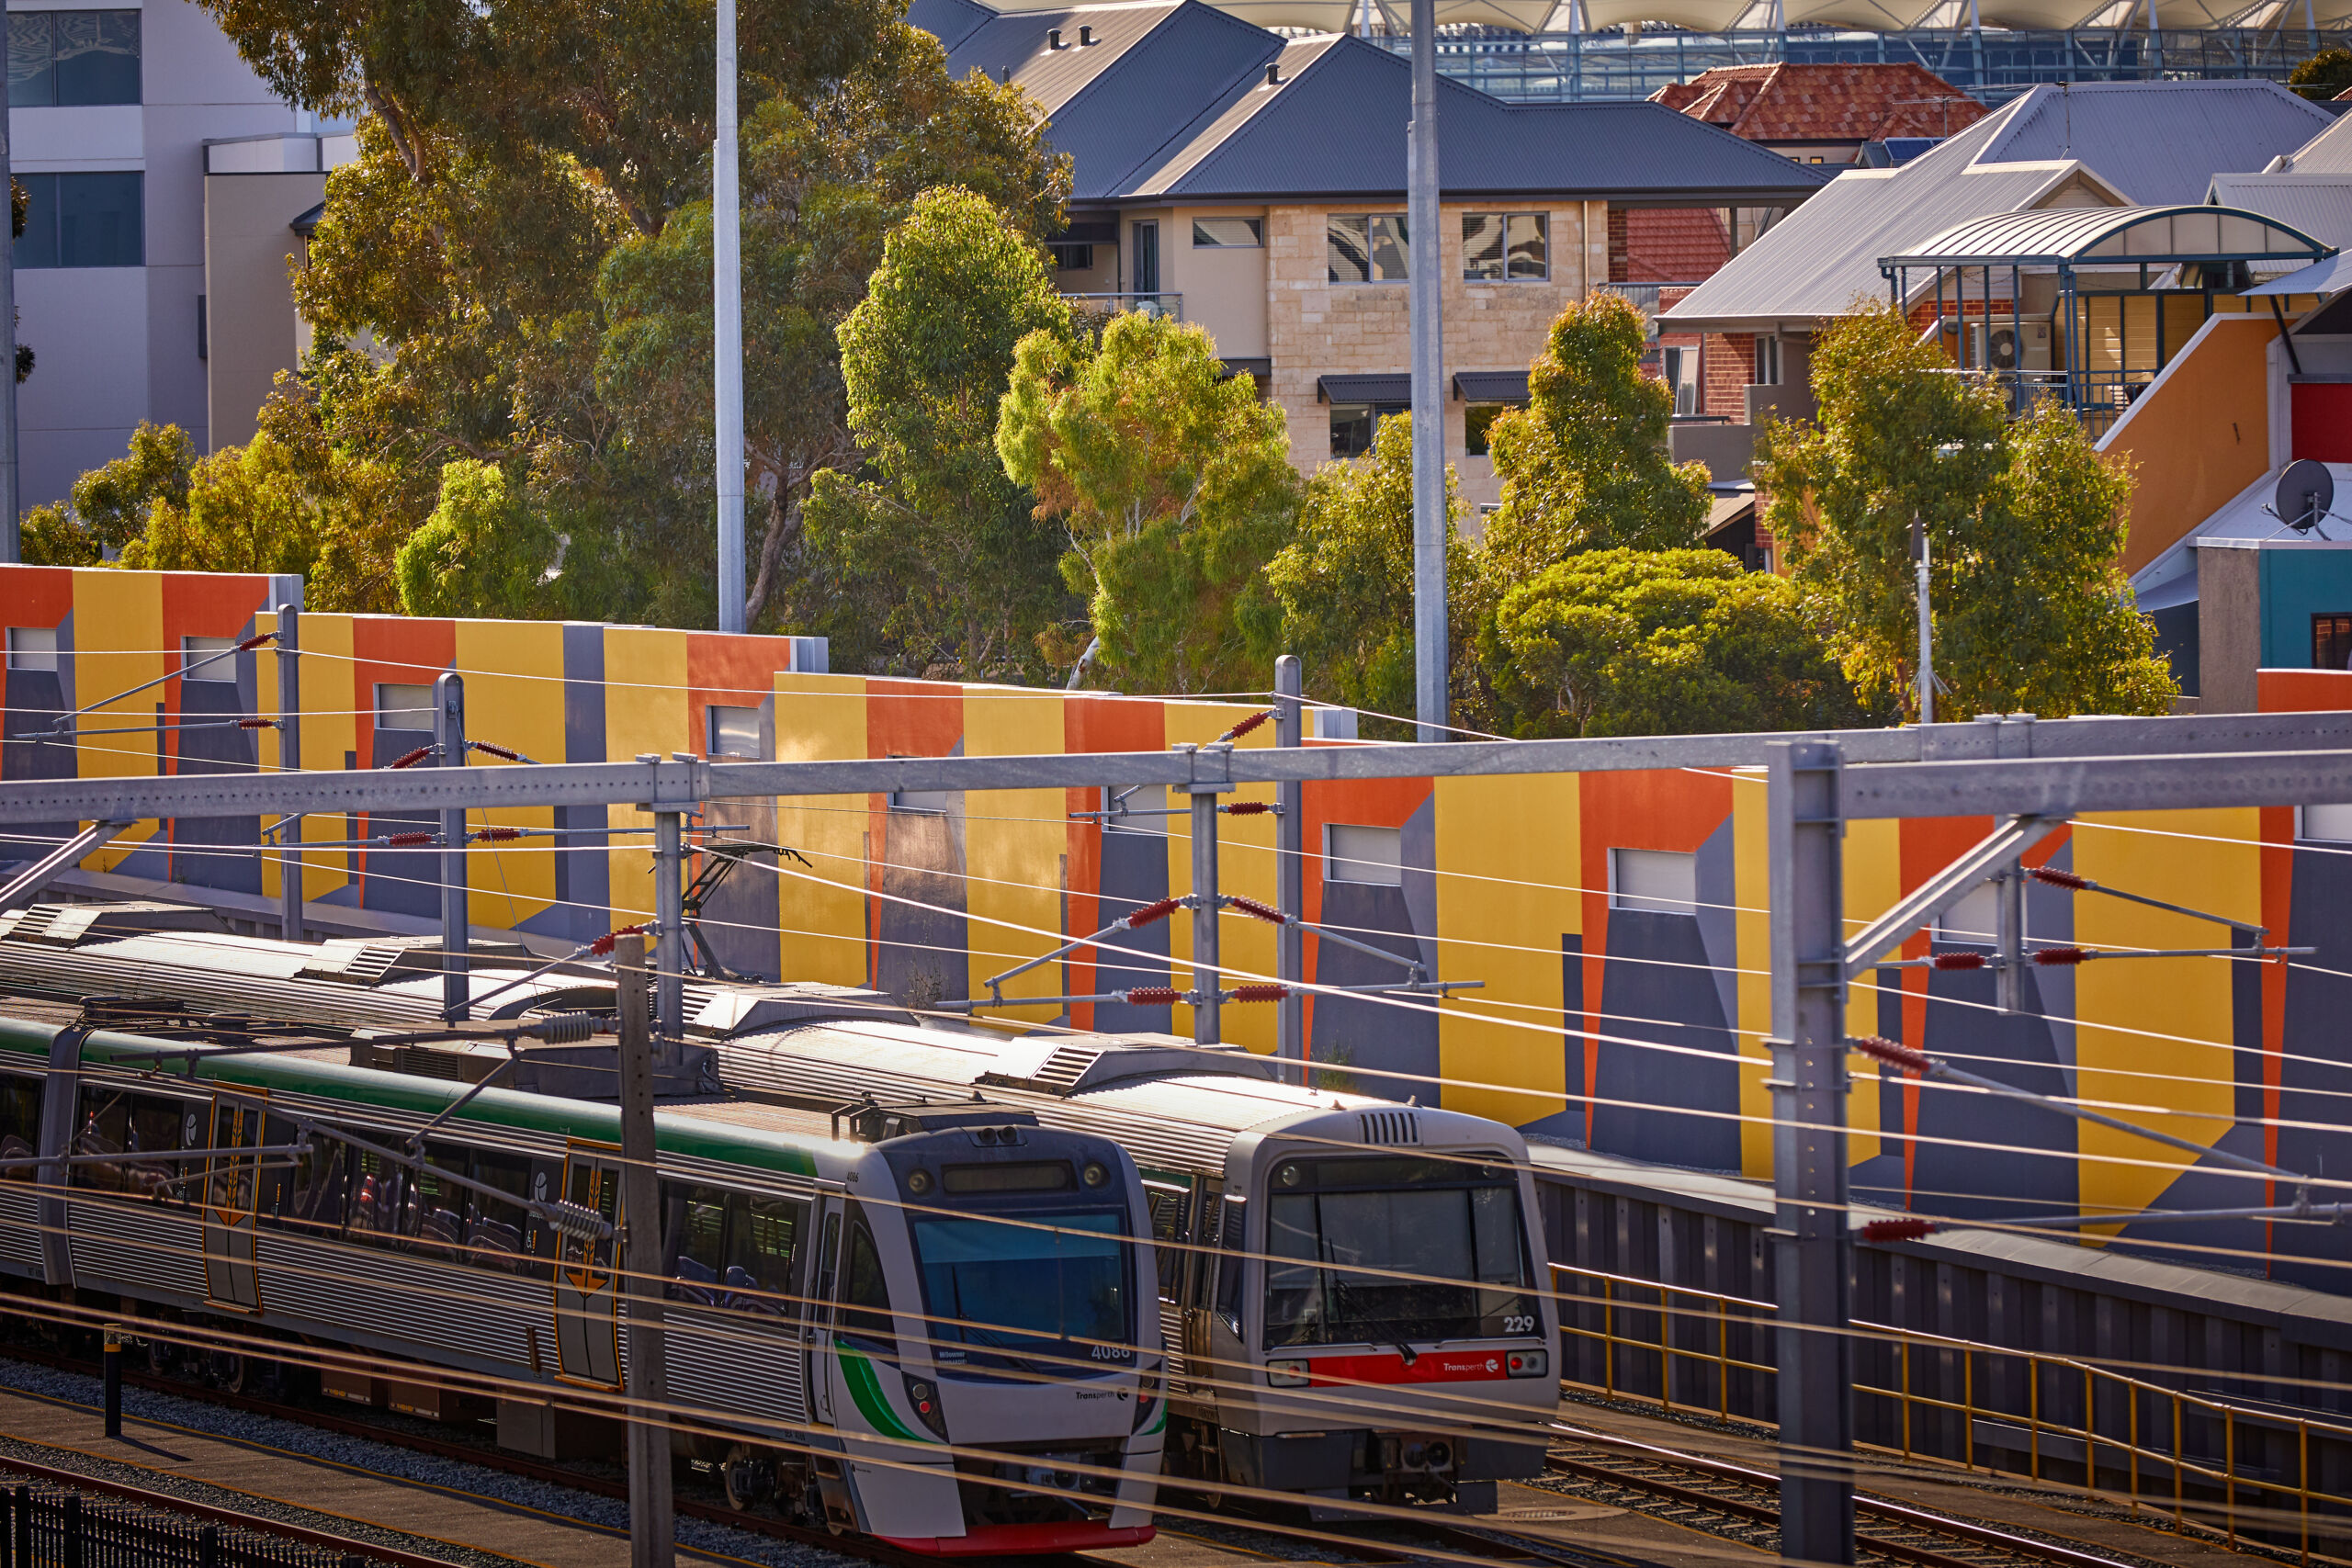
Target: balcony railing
x=1094 y=310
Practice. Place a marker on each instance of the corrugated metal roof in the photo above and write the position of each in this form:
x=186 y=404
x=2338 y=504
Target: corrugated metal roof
x=2109 y=233
x=1396 y=387
x=949 y=21
x=1335 y=128
x=2318 y=204
x=2330 y=277
x=1491 y=386
x=2329 y=152
x=2132 y=143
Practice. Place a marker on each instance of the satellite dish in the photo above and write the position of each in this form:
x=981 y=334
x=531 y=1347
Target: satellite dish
x=2306 y=492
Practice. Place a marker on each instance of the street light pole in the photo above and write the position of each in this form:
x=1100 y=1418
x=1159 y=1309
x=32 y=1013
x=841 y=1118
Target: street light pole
x=1429 y=394
x=727 y=322
x=1927 y=622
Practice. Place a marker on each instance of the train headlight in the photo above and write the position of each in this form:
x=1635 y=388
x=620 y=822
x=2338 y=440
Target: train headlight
x=924 y=1396
x=919 y=1182
x=1288 y=1175
x=1286 y=1374
x=1096 y=1174
x=1528 y=1363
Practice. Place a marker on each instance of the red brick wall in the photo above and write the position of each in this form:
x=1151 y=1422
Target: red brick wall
x=1728 y=365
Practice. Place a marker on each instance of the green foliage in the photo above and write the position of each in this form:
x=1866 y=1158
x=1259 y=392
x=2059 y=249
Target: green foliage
x=1584 y=466
x=109 y=505
x=481 y=553
x=1343 y=585
x=1659 y=642
x=1175 y=486
x=2025 y=524
x=285 y=502
x=925 y=357
x=2323 y=76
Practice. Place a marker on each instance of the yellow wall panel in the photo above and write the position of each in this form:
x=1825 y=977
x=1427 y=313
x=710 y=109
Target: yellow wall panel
x=1510 y=847
x=1245 y=864
x=645 y=710
x=514 y=698
x=2179 y=1076
x=822 y=719
x=118 y=628
x=330 y=732
x=1015 y=841
x=1753 y=921
x=1873 y=858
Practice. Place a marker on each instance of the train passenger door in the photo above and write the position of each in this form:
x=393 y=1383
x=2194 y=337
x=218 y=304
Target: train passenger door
x=824 y=1272
x=233 y=1201
x=1171 y=1210
x=587 y=1287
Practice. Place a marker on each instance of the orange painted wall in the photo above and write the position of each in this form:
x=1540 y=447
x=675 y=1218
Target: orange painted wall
x=2199 y=437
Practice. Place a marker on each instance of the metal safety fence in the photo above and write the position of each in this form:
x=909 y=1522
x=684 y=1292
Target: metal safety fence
x=40 y=1528
x=2238 y=1468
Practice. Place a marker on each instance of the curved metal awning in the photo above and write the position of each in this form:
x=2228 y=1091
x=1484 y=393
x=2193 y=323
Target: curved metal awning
x=2096 y=236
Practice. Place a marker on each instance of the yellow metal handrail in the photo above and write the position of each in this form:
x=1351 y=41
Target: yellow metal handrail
x=1725 y=1310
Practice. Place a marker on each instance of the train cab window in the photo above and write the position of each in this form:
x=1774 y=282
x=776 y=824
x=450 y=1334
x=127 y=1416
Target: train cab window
x=865 y=1295
x=695 y=1227
x=495 y=1227
x=128 y=1126
x=1169 y=1207
x=763 y=1258
x=19 y=1127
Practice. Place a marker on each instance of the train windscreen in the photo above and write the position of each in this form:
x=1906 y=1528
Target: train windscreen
x=1383 y=1251
x=1003 y=1289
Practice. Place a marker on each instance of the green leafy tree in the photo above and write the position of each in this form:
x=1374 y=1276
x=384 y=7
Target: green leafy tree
x=2324 y=75
x=2025 y=524
x=1173 y=482
x=481 y=553
x=925 y=358
x=1659 y=642
x=827 y=182
x=285 y=502
x=1342 y=588
x=1584 y=466
x=108 y=506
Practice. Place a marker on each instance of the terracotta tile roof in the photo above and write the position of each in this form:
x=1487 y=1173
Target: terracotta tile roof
x=1824 y=103
x=1674 y=244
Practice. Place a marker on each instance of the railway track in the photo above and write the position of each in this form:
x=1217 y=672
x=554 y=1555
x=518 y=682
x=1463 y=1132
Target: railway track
x=1742 y=1504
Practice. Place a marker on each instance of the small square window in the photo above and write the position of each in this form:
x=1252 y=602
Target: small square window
x=32 y=647
x=1478 y=423
x=1373 y=855
x=1071 y=257
x=735 y=732
x=1657 y=882
x=401 y=705
x=88 y=220
x=1229 y=233
x=1505 y=247
x=1353 y=425
x=1366 y=247
x=2332 y=642
x=200 y=659
x=2332 y=823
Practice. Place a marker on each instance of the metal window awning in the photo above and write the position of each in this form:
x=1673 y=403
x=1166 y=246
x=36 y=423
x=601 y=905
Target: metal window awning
x=1246 y=367
x=2100 y=236
x=1491 y=386
x=1394 y=386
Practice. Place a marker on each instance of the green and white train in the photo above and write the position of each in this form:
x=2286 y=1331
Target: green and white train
x=936 y=1327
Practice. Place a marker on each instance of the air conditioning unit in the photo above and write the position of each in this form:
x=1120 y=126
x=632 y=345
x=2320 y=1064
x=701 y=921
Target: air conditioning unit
x=2009 y=345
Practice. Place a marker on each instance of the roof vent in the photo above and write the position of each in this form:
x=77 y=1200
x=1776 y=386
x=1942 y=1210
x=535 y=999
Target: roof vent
x=1275 y=73
x=1052 y=38
x=1085 y=36
x=1389 y=1126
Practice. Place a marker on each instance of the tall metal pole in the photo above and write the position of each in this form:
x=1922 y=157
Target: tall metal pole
x=652 y=1526
x=1290 y=871
x=11 y=505
x=1429 y=392
x=1813 y=1251
x=289 y=758
x=726 y=322
x=1927 y=622
x=1206 y=1018
x=450 y=741
x=669 y=930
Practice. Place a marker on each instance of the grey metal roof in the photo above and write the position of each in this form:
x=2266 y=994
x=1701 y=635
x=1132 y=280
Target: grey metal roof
x=2096 y=234
x=2158 y=141
x=2329 y=152
x=1491 y=386
x=2318 y=204
x=1394 y=387
x=949 y=21
x=2330 y=277
x=2117 y=143
x=1334 y=127
x=1113 y=104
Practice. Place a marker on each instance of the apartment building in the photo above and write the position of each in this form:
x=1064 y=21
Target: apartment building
x=127 y=124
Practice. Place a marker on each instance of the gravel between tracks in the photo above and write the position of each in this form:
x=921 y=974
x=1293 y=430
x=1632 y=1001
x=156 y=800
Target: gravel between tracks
x=360 y=1454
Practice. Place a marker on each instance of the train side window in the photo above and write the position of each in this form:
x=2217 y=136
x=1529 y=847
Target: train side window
x=1168 y=1215
x=495 y=1227
x=695 y=1242
x=128 y=1126
x=435 y=1211
x=829 y=1259
x=762 y=1252
x=865 y=1294
x=380 y=1197
x=321 y=1189
x=19 y=1126
x=1229 y=1264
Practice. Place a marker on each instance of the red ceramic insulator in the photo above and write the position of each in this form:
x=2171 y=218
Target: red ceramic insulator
x=1260 y=993
x=1898 y=1230
x=1960 y=961
x=1880 y=1048
x=1255 y=910
x=1151 y=912
x=2057 y=878
x=2061 y=957
x=1153 y=996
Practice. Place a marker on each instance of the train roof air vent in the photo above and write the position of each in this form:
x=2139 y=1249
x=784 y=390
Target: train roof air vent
x=1058 y=1075
x=1389 y=1126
